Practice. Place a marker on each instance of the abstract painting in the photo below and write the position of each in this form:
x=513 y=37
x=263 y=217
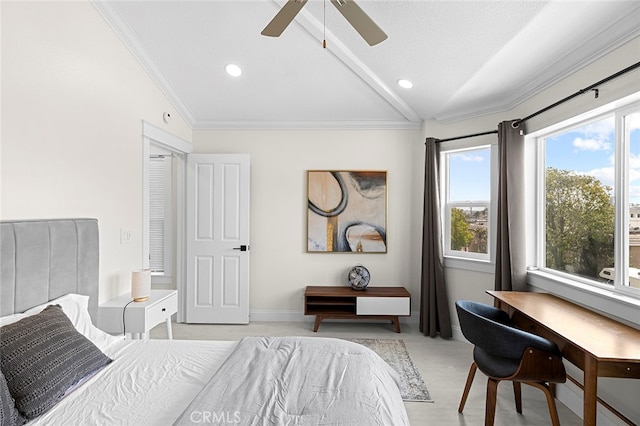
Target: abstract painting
x=347 y=211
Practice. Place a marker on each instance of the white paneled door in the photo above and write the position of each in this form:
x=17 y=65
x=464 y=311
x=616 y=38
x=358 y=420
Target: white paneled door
x=217 y=286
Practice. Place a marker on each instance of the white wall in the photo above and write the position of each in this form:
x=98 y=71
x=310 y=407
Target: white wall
x=280 y=265
x=73 y=98
x=468 y=283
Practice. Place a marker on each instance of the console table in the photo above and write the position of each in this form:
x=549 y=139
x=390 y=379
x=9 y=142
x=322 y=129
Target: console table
x=342 y=302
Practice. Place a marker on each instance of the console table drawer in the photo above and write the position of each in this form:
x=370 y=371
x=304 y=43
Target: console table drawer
x=383 y=306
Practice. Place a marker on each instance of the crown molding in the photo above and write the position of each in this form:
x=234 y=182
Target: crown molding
x=625 y=30
x=115 y=20
x=307 y=125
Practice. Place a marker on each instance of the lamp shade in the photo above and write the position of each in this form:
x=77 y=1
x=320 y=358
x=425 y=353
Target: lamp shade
x=141 y=285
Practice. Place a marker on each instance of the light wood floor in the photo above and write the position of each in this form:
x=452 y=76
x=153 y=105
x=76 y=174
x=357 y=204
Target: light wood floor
x=444 y=365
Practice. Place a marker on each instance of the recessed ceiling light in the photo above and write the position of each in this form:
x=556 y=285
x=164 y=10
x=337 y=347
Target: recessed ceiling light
x=405 y=84
x=233 y=70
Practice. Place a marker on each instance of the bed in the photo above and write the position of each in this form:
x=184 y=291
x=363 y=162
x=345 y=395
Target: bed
x=58 y=368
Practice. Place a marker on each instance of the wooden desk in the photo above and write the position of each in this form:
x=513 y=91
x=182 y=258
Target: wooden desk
x=599 y=346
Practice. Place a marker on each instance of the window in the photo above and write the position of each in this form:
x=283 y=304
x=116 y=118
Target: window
x=589 y=199
x=466 y=204
x=160 y=217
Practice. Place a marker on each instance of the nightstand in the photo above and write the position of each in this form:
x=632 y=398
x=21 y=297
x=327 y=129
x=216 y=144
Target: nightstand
x=139 y=317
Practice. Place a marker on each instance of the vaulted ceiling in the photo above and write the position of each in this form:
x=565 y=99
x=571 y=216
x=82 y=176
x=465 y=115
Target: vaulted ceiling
x=465 y=58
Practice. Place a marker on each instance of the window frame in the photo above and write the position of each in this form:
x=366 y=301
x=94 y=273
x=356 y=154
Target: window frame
x=468 y=260
x=536 y=237
x=154 y=138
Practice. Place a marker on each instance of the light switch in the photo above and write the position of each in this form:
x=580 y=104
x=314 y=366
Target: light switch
x=126 y=235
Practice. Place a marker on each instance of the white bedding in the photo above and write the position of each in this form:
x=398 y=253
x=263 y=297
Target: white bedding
x=257 y=381
x=300 y=381
x=150 y=382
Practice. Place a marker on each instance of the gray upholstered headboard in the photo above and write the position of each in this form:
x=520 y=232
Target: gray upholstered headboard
x=41 y=260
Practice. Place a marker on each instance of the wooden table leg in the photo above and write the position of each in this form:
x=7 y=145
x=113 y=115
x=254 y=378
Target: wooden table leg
x=590 y=390
x=396 y=323
x=317 y=323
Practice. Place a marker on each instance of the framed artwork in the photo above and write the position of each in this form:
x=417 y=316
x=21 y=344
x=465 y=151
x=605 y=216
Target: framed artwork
x=346 y=211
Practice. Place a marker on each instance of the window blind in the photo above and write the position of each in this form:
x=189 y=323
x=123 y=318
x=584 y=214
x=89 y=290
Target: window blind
x=158 y=192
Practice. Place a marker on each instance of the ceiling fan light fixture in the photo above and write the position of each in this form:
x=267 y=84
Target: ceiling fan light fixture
x=233 y=70
x=405 y=84
x=357 y=17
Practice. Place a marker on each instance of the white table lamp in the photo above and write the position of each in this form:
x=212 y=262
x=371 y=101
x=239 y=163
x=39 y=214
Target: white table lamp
x=141 y=285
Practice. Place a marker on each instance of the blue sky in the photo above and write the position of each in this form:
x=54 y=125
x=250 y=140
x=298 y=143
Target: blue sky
x=588 y=150
x=470 y=175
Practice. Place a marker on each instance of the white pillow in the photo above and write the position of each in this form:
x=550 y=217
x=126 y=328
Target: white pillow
x=10 y=319
x=76 y=307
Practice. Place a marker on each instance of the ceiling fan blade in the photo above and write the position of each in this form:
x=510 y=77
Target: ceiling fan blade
x=359 y=20
x=284 y=17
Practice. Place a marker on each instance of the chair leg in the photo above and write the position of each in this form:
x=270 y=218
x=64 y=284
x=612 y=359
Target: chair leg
x=467 y=386
x=517 y=393
x=553 y=411
x=490 y=408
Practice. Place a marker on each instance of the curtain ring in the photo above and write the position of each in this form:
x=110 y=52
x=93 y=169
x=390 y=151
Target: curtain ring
x=516 y=124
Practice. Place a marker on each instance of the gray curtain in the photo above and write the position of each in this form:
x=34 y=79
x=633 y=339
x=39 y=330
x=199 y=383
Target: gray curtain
x=510 y=242
x=434 y=303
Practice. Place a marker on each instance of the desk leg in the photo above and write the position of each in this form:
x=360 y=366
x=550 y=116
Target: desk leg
x=590 y=390
x=169 y=331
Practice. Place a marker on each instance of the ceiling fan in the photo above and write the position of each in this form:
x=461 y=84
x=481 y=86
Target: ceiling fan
x=358 y=19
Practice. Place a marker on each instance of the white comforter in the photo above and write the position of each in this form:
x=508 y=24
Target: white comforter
x=267 y=381
x=150 y=382
x=300 y=381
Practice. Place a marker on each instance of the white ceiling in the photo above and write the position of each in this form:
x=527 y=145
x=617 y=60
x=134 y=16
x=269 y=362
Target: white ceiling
x=465 y=58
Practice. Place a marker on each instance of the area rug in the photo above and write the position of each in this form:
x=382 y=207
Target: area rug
x=394 y=352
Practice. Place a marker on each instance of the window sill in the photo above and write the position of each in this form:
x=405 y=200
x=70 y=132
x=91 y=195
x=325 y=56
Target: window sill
x=475 y=265
x=626 y=308
x=161 y=279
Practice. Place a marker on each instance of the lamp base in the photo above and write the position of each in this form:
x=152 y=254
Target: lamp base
x=141 y=299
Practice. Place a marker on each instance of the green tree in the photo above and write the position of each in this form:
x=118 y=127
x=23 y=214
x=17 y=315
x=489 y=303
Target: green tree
x=461 y=235
x=580 y=223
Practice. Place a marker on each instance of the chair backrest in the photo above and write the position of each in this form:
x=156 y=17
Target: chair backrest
x=492 y=330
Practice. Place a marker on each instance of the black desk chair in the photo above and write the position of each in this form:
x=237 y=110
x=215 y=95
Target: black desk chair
x=503 y=352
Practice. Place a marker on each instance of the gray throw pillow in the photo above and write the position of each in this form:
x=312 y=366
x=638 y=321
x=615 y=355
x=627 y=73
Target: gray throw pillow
x=42 y=356
x=9 y=415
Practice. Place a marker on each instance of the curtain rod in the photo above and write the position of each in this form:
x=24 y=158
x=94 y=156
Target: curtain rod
x=593 y=88
x=490 y=132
